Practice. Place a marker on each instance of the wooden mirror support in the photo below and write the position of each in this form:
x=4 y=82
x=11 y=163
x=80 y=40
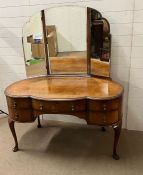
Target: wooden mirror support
x=96 y=100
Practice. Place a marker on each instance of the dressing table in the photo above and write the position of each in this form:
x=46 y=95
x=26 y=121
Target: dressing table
x=75 y=71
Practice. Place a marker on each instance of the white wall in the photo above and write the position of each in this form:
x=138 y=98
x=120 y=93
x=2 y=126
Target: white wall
x=70 y=23
x=126 y=19
x=135 y=101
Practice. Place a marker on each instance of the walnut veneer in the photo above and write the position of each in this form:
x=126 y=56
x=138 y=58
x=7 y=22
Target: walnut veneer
x=98 y=101
x=70 y=64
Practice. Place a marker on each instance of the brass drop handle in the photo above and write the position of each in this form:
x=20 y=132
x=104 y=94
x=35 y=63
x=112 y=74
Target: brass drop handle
x=104 y=107
x=72 y=108
x=41 y=107
x=16 y=116
x=14 y=105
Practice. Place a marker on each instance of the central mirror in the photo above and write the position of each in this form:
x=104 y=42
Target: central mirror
x=67 y=40
x=67 y=46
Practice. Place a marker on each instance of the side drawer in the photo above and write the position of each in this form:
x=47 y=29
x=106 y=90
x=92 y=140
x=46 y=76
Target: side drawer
x=104 y=105
x=21 y=115
x=101 y=118
x=59 y=106
x=19 y=103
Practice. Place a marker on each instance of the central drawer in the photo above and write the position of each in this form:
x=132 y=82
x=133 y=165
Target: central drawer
x=59 y=106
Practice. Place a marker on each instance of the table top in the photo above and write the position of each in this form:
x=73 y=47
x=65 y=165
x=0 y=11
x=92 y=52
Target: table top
x=65 y=88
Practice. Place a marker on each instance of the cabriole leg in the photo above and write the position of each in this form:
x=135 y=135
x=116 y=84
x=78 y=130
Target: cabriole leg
x=39 y=123
x=12 y=128
x=117 y=130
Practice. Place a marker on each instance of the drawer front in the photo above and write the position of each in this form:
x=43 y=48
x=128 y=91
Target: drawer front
x=59 y=106
x=19 y=103
x=21 y=115
x=104 y=105
x=103 y=118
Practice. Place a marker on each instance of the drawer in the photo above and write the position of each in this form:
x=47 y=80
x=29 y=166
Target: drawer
x=104 y=105
x=19 y=103
x=103 y=118
x=59 y=106
x=21 y=115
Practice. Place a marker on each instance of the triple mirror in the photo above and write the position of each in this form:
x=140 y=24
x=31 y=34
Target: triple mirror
x=67 y=40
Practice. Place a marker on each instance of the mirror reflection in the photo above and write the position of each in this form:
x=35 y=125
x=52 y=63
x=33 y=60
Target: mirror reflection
x=66 y=32
x=33 y=45
x=100 y=44
x=67 y=40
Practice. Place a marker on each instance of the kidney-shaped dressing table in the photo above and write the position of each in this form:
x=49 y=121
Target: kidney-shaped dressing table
x=75 y=54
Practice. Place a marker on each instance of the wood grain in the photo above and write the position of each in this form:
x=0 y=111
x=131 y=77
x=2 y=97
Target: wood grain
x=50 y=88
x=69 y=65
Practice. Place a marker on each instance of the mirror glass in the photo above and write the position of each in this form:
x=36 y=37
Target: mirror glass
x=66 y=28
x=100 y=44
x=67 y=40
x=33 y=46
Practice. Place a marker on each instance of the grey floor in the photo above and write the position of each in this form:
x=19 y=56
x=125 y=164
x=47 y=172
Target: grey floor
x=67 y=149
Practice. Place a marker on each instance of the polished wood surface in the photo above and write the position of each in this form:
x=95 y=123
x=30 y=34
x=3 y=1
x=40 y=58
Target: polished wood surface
x=65 y=88
x=66 y=65
x=98 y=101
x=100 y=68
x=36 y=69
x=70 y=65
x=74 y=65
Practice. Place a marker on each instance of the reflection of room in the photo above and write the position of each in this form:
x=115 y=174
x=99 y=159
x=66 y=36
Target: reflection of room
x=33 y=44
x=69 y=24
x=63 y=32
x=55 y=48
x=66 y=28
